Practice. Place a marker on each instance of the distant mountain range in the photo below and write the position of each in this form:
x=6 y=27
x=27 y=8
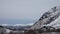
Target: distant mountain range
x=17 y=28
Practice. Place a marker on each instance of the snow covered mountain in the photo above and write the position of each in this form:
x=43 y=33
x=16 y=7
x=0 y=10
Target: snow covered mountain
x=16 y=27
x=49 y=18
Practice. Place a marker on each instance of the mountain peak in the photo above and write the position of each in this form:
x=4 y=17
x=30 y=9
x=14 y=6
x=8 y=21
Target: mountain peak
x=47 y=17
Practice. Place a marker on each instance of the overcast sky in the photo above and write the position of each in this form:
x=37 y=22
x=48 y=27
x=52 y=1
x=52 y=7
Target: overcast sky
x=25 y=9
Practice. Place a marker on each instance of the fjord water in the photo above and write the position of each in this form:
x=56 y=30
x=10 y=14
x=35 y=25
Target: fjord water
x=50 y=33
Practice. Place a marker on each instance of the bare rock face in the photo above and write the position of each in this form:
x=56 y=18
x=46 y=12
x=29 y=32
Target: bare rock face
x=49 y=18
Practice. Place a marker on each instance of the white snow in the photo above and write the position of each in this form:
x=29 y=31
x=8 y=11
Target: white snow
x=55 y=23
x=8 y=31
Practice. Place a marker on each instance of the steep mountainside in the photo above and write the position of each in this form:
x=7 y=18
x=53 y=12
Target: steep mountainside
x=49 y=18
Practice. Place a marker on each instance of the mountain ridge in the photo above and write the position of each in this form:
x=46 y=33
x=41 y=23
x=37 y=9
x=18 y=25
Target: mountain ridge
x=47 y=18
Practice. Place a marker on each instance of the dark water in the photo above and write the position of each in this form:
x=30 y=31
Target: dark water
x=50 y=33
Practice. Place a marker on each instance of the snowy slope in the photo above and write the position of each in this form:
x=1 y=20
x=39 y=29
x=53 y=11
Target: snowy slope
x=55 y=24
x=49 y=18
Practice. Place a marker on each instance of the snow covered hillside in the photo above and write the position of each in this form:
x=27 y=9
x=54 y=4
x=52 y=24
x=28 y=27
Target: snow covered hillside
x=49 y=18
